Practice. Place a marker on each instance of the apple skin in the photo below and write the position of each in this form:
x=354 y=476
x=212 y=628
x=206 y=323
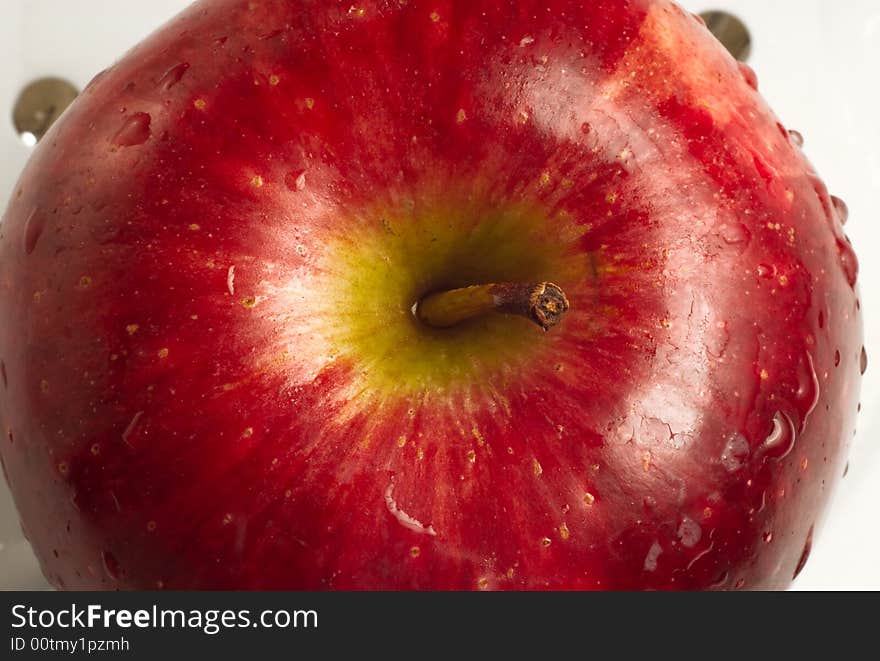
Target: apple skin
x=211 y=377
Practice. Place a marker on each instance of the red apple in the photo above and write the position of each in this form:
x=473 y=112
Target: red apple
x=212 y=375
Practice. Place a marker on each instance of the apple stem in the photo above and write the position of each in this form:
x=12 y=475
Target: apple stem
x=544 y=303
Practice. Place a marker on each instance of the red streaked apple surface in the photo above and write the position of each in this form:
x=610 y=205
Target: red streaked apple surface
x=213 y=376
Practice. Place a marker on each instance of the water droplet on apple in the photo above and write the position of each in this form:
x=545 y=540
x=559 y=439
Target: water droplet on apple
x=796 y=138
x=734 y=234
x=748 y=75
x=653 y=431
x=173 y=76
x=135 y=130
x=651 y=558
x=807 y=392
x=780 y=441
x=96 y=78
x=735 y=452
x=782 y=130
x=805 y=554
x=863 y=361
x=111 y=564
x=768 y=536
x=766 y=271
x=33 y=230
x=689 y=532
x=129 y=433
x=848 y=261
x=720 y=581
x=841 y=208
x=296 y=181
x=837 y=358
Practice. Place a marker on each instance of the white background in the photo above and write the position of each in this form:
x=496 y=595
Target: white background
x=817 y=63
